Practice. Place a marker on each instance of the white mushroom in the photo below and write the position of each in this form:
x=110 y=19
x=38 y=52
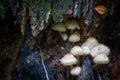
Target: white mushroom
x=101 y=59
x=72 y=24
x=68 y=60
x=59 y=26
x=75 y=37
x=76 y=51
x=98 y=49
x=64 y=36
x=85 y=50
x=75 y=71
x=90 y=42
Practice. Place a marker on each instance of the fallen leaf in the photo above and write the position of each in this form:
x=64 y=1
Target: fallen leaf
x=101 y=9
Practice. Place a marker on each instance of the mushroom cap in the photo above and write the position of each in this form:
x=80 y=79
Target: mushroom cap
x=90 y=42
x=68 y=60
x=98 y=49
x=85 y=50
x=101 y=59
x=59 y=26
x=75 y=71
x=64 y=36
x=72 y=24
x=75 y=37
x=76 y=51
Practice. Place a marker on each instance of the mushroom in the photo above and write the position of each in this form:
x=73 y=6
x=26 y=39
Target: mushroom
x=68 y=60
x=59 y=26
x=64 y=36
x=90 y=42
x=85 y=50
x=75 y=37
x=101 y=59
x=75 y=71
x=76 y=51
x=72 y=24
x=98 y=49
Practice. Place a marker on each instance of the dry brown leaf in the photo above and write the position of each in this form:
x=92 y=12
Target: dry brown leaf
x=101 y=9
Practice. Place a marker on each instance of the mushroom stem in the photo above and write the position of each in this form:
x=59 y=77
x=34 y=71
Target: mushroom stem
x=71 y=66
x=95 y=65
x=67 y=74
x=71 y=31
x=73 y=43
x=82 y=58
x=78 y=61
x=60 y=33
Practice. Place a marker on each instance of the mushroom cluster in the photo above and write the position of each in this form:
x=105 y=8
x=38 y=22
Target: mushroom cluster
x=69 y=30
x=99 y=52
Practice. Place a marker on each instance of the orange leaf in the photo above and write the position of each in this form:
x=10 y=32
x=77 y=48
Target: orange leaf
x=101 y=9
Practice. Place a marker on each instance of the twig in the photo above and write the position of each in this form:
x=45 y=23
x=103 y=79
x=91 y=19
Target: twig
x=44 y=65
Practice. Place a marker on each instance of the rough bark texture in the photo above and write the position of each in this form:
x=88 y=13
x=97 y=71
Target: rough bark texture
x=10 y=43
x=106 y=28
